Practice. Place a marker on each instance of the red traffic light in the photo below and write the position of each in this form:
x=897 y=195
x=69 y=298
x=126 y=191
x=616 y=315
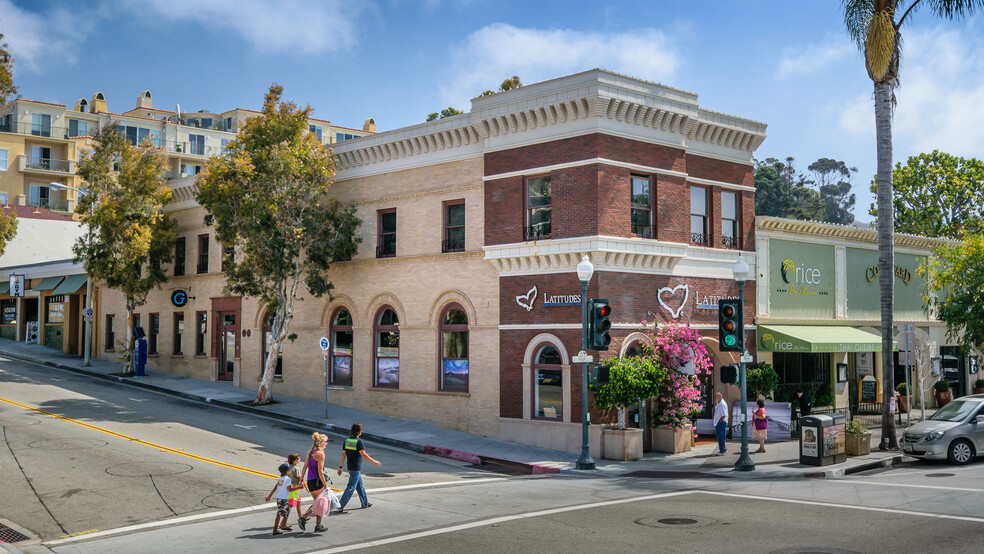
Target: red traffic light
x=604 y=310
x=728 y=311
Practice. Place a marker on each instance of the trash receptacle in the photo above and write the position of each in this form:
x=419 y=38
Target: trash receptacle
x=822 y=439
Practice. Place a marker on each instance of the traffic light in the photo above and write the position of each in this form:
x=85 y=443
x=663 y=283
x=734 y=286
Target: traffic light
x=600 y=374
x=731 y=325
x=599 y=324
x=729 y=375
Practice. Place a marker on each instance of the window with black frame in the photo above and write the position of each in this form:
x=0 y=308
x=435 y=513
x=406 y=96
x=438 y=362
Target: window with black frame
x=538 y=208
x=548 y=384
x=698 y=215
x=454 y=227
x=729 y=220
x=642 y=207
x=341 y=353
x=386 y=241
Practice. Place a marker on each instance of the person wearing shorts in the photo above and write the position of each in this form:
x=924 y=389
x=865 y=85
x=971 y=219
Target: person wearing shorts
x=313 y=472
x=295 y=479
x=282 y=489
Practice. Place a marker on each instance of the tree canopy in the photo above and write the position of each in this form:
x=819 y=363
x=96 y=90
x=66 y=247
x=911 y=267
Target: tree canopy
x=123 y=205
x=955 y=277
x=446 y=112
x=782 y=192
x=8 y=228
x=937 y=195
x=267 y=198
x=7 y=87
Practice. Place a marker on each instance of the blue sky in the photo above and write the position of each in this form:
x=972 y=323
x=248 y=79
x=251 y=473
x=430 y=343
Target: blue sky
x=788 y=64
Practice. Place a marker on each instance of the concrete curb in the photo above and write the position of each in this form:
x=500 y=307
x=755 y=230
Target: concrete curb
x=470 y=457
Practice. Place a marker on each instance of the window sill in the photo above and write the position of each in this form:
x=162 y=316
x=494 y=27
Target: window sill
x=340 y=387
x=109 y=350
x=178 y=355
x=422 y=392
x=201 y=356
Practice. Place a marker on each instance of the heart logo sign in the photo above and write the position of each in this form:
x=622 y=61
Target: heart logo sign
x=527 y=299
x=672 y=295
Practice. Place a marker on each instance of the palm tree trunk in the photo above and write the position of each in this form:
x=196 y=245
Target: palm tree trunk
x=886 y=254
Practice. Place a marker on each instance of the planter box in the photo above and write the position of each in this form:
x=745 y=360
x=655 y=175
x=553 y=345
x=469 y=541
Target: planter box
x=621 y=444
x=943 y=398
x=904 y=402
x=978 y=391
x=858 y=445
x=673 y=441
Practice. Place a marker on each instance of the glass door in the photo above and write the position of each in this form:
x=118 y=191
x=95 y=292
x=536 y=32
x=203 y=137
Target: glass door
x=227 y=346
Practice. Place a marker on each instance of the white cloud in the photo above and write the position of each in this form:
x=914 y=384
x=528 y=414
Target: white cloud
x=815 y=57
x=293 y=26
x=38 y=40
x=498 y=51
x=857 y=116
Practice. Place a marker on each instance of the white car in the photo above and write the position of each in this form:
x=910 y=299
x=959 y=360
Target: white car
x=955 y=432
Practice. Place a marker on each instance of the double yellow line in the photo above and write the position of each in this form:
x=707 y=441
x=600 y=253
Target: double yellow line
x=142 y=442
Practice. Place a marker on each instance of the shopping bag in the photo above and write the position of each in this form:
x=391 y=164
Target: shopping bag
x=322 y=505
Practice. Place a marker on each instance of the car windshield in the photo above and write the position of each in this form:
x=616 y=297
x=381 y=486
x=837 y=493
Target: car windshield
x=955 y=411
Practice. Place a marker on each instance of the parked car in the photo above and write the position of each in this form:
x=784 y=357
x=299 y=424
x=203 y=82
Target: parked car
x=954 y=433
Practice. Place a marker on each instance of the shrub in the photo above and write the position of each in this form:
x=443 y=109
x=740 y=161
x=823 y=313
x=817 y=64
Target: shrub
x=979 y=384
x=902 y=389
x=854 y=427
x=942 y=386
x=629 y=381
x=761 y=378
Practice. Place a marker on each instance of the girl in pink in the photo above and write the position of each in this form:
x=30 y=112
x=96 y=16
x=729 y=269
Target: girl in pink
x=761 y=425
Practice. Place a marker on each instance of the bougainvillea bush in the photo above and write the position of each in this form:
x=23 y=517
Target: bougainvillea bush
x=678 y=396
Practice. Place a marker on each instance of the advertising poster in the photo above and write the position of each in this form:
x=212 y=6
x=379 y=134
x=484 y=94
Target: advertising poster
x=810 y=446
x=864 y=364
x=834 y=441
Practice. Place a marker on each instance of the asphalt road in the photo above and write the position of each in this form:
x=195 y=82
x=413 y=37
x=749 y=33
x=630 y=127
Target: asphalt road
x=120 y=456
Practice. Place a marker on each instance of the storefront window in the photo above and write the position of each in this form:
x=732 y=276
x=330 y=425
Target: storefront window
x=267 y=341
x=454 y=350
x=809 y=372
x=56 y=309
x=548 y=384
x=9 y=311
x=387 y=351
x=341 y=353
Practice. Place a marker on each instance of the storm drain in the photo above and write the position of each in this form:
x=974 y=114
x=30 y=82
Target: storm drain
x=9 y=535
x=941 y=475
x=677 y=521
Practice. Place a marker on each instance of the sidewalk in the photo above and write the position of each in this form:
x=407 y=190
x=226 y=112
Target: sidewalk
x=780 y=460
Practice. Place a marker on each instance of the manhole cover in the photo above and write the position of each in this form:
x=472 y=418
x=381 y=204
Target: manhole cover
x=379 y=475
x=9 y=535
x=670 y=522
x=235 y=499
x=67 y=444
x=676 y=521
x=941 y=475
x=143 y=469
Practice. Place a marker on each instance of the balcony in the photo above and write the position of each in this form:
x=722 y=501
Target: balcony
x=698 y=238
x=731 y=242
x=35 y=130
x=193 y=149
x=45 y=166
x=53 y=204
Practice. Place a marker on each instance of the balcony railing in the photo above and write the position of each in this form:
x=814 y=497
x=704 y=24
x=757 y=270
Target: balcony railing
x=644 y=231
x=48 y=165
x=730 y=242
x=193 y=149
x=386 y=250
x=43 y=131
x=538 y=231
x=54 y=204
x=456 y=244
x=698 y=238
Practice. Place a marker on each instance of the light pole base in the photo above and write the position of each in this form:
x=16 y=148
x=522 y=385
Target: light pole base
x=744 y=463
x=585 y=463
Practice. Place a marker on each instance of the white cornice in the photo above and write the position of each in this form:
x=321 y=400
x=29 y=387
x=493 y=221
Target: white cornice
x=776 y=226
x=183 y=192
x=605 y=161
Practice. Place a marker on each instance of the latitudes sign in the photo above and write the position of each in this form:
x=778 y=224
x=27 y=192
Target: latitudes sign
x=801 y=279
x=528 y=300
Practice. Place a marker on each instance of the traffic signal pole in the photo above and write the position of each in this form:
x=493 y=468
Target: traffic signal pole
x=585 y=461
x=744 y=462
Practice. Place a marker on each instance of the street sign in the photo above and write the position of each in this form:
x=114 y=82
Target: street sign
x=88 y=313
x=17 y=285
x=582 y=358
x=179 y=298
x=747 y=358
x=324 y=344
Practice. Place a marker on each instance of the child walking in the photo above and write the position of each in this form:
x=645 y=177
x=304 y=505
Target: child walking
x=294 y=499
x=282 y=489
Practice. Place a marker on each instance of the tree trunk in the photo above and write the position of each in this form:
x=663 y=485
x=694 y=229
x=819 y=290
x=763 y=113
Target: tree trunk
x=280 y=328
x=886 y=254
x=128 y=359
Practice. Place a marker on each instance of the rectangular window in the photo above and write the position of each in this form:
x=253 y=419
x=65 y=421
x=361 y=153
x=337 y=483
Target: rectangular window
x=8 y=311
x=225 y=144
x=179 y=257
x=201 y=327
x=206 y=123
x=454 y=226
x=3 y=198
x=548 y=391
x=698 y=215
x=642 y=207
x=196 y=144
x=729 y=220
x=386 y=242
x=40 y=125
x=39 y=195
x=538 y=212
x=316 y=129
x=137 y=135
x=202 y=253
x=3 y=159
x=55 y=312
x=227 y=124
x=339 y=137
x=110 y=333
x=228 y=256
x=40 y=157
x=179 y=329
x=78 y=128
x=153 y=332
x=188 y=170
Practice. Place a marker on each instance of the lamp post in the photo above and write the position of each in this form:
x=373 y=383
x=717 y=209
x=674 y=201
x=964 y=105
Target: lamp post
x=87 y=327
x=740 y=271
x=584 y=271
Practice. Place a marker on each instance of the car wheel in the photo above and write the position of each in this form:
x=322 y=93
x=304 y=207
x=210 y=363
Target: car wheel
x=960 y=452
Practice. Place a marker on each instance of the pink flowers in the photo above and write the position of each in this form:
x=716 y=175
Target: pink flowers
x=679 y=396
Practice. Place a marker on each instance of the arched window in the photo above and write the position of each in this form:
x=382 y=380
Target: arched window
x=341 y=353
x=634 y=350
x=454 y=350
x=548 y=384
x=387 y=349
x=267 y=341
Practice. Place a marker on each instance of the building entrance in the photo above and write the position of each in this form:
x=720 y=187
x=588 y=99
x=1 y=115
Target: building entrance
x=227 y=345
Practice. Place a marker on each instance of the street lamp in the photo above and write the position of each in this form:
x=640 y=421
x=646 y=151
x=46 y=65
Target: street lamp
x=584 y=271
x=87 y=347
x=740 y=272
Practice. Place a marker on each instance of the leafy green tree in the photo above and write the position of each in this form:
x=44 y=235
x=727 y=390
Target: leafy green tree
x=937 y=195
x=630 y=380
x=833 y=181
x=8 y=228
x=446 y=112
x=131 y=234
x=510 y=83
x=781 y=192
x=874 y=26
x=760 y=379
x=7 y=87
x=955 y=277
x=268 y=198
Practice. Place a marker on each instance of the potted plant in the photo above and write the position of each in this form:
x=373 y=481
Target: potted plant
x=858 y=439
x=905 y=399
x=943 y=395
x=681 y=351
x=979 y=386
x=629 y=380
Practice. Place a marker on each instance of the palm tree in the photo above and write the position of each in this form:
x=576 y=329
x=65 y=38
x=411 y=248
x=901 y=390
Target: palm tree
x=874 y=26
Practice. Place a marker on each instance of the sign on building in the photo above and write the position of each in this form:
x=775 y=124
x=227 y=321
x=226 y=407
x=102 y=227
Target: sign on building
x=17 y=285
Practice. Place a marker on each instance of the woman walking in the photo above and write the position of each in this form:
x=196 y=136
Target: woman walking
x=354 y=451
x=761 y=425
x=313 y=472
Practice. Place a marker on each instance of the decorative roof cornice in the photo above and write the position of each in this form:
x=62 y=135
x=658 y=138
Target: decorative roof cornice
x=843 y=232
x=610 y=100
x=606 y=253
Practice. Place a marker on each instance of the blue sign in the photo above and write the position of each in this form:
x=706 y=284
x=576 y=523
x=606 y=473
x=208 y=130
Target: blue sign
x=179 y=298
x=323 y=343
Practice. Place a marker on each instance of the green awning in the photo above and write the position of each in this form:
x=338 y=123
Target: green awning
x=809 y=338
x=4 y=287
x=48 y=283
x=70 y=285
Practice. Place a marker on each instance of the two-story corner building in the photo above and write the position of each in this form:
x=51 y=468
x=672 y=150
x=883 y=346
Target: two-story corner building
x=461 y=307
x=41 y=143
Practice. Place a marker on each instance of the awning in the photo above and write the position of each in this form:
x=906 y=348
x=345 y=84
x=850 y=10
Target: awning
x=4 y=287
x=47 y=283
x=808 y=338
x=70 y=285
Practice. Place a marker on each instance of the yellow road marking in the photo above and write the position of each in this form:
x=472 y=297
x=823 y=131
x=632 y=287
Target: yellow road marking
x=78 y=533
x=143 y=442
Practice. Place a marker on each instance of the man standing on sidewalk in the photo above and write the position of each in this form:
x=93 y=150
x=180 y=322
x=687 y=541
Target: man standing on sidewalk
x=720 y=423
x=353 y=449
